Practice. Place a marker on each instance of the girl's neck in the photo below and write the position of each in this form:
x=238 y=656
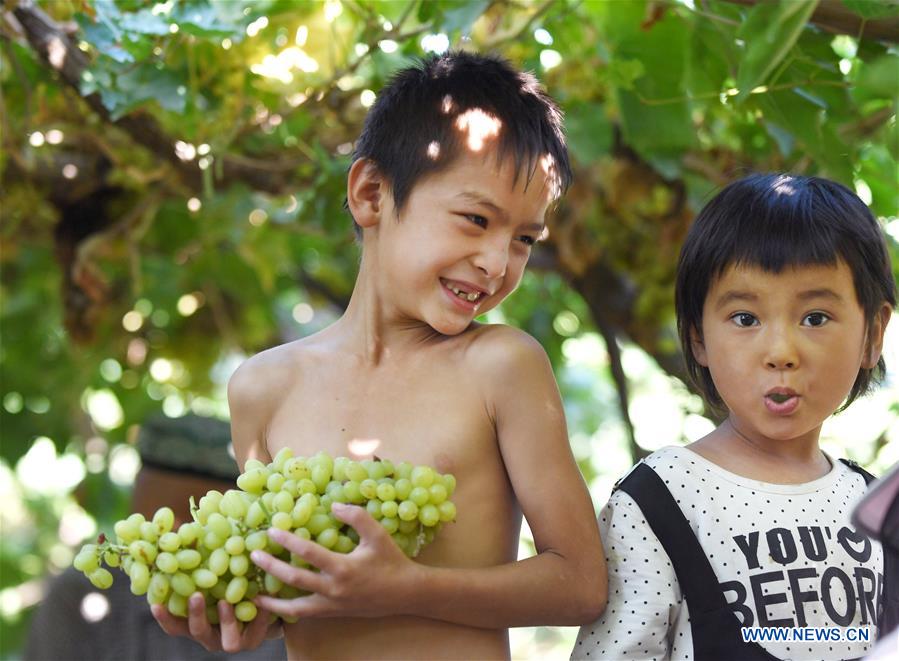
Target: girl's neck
x=791 y=461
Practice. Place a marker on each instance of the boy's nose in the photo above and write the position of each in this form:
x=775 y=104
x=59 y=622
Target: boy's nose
x=492 y=261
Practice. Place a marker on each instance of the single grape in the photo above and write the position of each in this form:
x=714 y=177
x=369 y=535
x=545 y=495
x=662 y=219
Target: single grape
x=167 y=563
x=275 y=482
x=407 y=527
x=255 y=515
x=177 y=605
x=235 y=545
x=170 y=541
x=344 y=544
x=307 y=486
x=356 y=472
x=218 y=590
x=86 y=560
x=283 y=455
x=386 y=492
x=449 y=481
x=403 y=470
x=126 y=531
x=447 y=511
x=389 y=509
x=295 y=469
x=328 y=537
x=245 y=611
x=112 y=558
x=218 y=561
x=407 y=510
x=204 y=578
x=100 y=578
x=422 y=476
x=283 y=502
x=212 y=614
x=189 y=532
x=158 y=590
x=368 y=488
x=318 y=522
x=403 y=487
x=271 y=583
x=183 y=584
x=238 y=565
x=236 y=590
x=256 y=541
x=321 y=475
x=420 y=496
x=149 y=532
x=188 y=558
x=140 y=578
x=282 y=521
x=438 y=493
x=143 y=551
x=390 y=524
x=164 y=519
x=429 y=515
x=219 y=525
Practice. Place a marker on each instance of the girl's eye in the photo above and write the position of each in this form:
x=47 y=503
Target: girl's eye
x=480 y=221
x=527 y=240
x=815 y=319
x=744 y=320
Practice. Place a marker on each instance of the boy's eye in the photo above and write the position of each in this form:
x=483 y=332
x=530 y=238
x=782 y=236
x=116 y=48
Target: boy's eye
x=815 y=319
x=744 y=319
x=480 y=221
x=527 y=240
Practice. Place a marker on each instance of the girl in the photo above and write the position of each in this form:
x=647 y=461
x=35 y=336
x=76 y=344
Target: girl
x=739 y=545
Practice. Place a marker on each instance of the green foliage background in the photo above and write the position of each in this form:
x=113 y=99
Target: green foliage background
x=202 y=161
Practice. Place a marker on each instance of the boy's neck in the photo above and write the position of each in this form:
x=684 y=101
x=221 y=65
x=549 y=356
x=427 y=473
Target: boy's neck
x=791 y=461
x=372 y=329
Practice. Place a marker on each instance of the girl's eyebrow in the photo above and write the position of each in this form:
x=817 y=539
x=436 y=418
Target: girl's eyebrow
x=734 y=295
x=823 y=292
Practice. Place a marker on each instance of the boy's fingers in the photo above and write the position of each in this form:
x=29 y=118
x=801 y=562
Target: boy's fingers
x=359 y=519
x=257 y=630
x=312 y=606
x=198 y=624
x=313 y=553
x=298 y=577
x=173 y=626
x=230 y=627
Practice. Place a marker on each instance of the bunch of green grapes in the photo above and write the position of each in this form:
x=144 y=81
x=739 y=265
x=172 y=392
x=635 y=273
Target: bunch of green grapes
x=211 y=553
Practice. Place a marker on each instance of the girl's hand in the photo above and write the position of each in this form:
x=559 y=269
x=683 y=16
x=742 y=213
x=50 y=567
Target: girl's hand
x=227 y=636
x=374 y=580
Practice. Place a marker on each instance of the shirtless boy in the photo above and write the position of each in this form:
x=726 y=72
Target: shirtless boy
x=453 y=174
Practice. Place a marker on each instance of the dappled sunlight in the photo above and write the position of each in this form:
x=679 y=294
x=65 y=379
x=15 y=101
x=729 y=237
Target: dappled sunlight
x=56 y=52
x=479 y=127
x=363 y=447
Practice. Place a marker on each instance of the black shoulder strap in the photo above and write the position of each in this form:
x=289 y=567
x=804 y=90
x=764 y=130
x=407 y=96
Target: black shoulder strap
x=889 y=617
x=694 y=573
x=853 y=465
x=715 y=627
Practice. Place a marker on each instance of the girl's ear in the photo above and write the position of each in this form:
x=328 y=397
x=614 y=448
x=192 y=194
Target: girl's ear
x=697 y=346
x=876 y=330
x=365 y=192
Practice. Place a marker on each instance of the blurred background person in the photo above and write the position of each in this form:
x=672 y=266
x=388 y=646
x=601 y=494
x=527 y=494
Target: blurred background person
x=180 y=458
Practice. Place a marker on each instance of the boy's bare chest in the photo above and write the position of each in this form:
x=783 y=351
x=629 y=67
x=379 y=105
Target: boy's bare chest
x=423 y=414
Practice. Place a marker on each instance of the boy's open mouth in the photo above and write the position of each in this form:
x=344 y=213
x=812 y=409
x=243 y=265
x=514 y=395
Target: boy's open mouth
x=780 y=398
x=466 y=294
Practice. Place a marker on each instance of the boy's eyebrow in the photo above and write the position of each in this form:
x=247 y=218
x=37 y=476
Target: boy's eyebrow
x=477 y=198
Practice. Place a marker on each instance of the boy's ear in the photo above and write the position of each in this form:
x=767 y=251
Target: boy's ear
x=876 y=331
x=697 y=346
x=365 y=192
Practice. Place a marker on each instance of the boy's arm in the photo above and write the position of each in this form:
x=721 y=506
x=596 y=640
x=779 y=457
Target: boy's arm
x=249 y=404
x=564 y=584
x=644 y=596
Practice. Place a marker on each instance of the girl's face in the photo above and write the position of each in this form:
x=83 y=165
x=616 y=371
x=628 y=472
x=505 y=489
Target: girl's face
x=784 y=349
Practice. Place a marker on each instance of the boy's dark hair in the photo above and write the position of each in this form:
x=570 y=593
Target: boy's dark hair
x=411 y=129
x=777 y=221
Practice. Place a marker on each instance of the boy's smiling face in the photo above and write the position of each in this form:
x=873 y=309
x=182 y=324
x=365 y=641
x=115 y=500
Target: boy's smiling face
x=460 y=243
x=785 y=348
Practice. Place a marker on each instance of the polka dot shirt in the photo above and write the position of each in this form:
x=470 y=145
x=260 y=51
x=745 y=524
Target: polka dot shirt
x=785 y=556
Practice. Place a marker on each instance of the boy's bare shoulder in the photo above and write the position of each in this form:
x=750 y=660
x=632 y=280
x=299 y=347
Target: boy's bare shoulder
x=261 y=381
x=502 y=350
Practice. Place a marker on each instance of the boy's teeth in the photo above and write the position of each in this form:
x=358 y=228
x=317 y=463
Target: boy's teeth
x=472 y=297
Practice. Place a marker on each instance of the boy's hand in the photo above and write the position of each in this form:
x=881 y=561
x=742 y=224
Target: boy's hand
x=371 y=581
x=227 y=637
